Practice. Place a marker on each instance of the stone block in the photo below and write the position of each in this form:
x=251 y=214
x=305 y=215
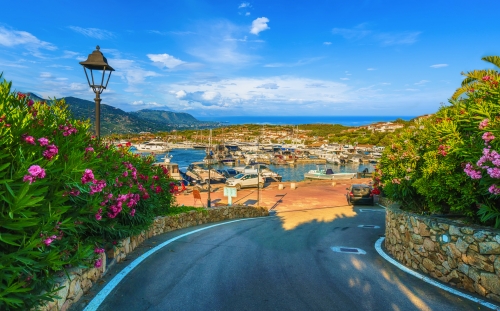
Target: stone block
x=480 y=236
x=491 y=282
x=423 y=229
x=417 y=239
x=453 y=277
x=480 y=290
x=474 y=247
x=455 y=231
x=428 y=244
x=486 y=248
x=74 y=288
x=467 y=230
x=463 y=268
x=428 y=264
x=452 y=251
x=462 y=245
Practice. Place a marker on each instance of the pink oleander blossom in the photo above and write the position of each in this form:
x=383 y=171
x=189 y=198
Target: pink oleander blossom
x=493 y=172
x=488 y=156
x=50 y=152
x=36 y=171
x=89 y=149
x=49 y=240
x=98 y=263
x=487 y=137
x=132 y=212
x=98 y=250
x=30 y=140
x=97 y=187
x=88 y=176
x=471 y=172
x=494 y=189
x=43 y=141
x=30 y=102
x=98 y=217
x=29 y=178
x=483 y=124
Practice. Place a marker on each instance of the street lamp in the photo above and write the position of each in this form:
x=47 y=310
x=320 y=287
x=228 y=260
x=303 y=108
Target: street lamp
x=208 y=161
x=97 y=61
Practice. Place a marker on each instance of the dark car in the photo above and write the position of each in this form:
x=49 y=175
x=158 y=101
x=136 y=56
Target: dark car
x=359 y=193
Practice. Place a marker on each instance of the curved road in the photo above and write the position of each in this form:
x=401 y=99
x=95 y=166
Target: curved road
x=284 y=262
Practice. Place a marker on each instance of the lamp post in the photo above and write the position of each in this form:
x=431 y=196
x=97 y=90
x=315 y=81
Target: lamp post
x=96 y=61
x=208 y=160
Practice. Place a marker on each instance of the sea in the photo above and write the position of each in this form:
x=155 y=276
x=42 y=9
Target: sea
x=298 y=120
x=184 y=157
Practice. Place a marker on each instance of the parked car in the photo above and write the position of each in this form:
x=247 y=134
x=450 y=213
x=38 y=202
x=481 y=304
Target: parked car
x=245 y=180
x=359 y=193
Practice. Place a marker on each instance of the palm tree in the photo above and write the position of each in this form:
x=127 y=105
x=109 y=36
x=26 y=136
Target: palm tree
x=475 y=77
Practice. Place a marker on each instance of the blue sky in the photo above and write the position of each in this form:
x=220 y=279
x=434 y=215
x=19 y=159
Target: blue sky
x=272 y=58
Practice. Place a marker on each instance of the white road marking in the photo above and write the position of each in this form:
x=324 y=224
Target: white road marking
x=345 y=250
x=369 y=226
x=99 y=298
x=378 y=247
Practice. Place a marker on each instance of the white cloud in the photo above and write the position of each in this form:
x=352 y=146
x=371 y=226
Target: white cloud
x=344 y=78
x=421 y=82
x=180 y=94
x=439 y=65
x=247 y=14
x=45 y=75
x=412 y=90
x=244 y=5
x=406 y=38
x=327 y=43
x=93 y=32
x=371 y=69
x=165 y=60
x=131 y=72
x=259 y=24
x=11 y=38
x=137 y=103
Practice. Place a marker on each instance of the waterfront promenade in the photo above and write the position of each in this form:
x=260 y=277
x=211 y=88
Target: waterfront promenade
x=307 y=195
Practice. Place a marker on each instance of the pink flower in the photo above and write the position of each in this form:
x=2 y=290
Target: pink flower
x=471 y=172
x=29 y=178
x=88 y=176
x=132 y=212
x=74 y=192
x=89 y=149
x=36 y=171
x=49 y=240
x=487 y=137
x=494 y=189
x=125 y=174
x=98 y=263
x=98 y=217
x=483 y=124
x=486 y=78
x=99 y=250
x=97 y=187
x=43 y=141
x=30 y=140
x=30 y=103
x=50 y=152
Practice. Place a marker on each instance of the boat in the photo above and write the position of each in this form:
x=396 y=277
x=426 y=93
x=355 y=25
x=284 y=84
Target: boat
x=153 y=146
x=261 y=169
x=328 y=174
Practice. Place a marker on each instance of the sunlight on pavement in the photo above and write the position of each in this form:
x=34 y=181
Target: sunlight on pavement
x=291 y=221
x=417 y=302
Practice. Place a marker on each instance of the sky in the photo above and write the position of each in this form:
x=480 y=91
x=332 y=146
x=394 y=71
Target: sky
x=258 y=58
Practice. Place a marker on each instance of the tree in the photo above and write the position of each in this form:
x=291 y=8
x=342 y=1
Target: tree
x=475 y=77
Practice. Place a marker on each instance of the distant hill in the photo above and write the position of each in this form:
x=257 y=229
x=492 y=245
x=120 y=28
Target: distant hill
x=117 y=121
x=167 y=117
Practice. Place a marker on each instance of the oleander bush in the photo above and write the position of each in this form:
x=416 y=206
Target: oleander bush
x=64 y=196
x=449 y=163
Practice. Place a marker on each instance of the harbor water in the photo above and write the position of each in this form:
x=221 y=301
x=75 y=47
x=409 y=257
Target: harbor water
x=184 y=157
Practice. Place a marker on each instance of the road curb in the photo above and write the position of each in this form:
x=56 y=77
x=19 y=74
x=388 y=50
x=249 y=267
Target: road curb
x=380 y=251
x=103 y=293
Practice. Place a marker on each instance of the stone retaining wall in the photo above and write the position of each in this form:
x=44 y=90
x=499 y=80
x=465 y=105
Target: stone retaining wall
x=81 y=280
x=464 y=256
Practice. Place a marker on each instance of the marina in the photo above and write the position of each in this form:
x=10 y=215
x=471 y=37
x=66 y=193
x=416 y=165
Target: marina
x=185 y=157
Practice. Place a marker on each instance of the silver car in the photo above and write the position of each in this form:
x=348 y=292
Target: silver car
x=245 y=181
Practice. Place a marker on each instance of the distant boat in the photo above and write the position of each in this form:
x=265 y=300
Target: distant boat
x=327 y=174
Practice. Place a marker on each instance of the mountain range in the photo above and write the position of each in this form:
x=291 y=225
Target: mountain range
x=117 y=121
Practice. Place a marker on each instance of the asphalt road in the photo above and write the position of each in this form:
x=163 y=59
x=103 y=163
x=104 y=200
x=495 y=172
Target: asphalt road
x=284 y=262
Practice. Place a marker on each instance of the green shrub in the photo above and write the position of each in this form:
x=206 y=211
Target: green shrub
x=428 y=168
x=64 y=195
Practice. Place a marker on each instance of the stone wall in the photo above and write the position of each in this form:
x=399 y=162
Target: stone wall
x=81 y=280
x=464 y=256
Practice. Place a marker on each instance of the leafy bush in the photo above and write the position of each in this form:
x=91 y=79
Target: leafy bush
x=448 y=163
x=64 y=195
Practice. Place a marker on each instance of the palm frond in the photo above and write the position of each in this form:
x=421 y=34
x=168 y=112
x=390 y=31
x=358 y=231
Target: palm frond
x=495 y=60
x=464 y=89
